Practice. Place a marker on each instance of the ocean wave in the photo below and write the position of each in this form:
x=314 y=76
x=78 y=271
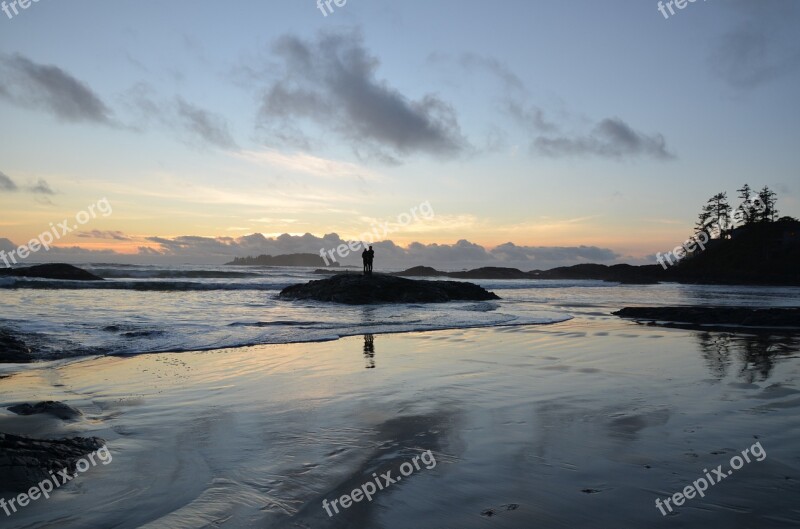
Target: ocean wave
x=111 y=273
x=63 y=339
x=151 y=286
x=269 y=323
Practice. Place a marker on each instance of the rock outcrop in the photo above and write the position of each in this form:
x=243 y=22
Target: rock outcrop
x=51 y=271
x=25 y=462
x=775 y=318
x=13 y=350
x=49 y=407
x=356 y=289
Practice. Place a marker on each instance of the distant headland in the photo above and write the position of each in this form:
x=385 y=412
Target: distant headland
x=293 y=259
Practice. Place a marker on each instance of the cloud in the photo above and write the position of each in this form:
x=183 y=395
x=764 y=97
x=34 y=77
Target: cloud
x=41 y=187
x=310 y=165
x=332 y=83
x=103 y=234
x=531 y=117
x=472 y=62
x=51 y=89
x=195 y=126
x=271 y=220
x=216 y=250
x=6 y=245
x=545 y=257
x=204 y=125
x=6 y=183
x=459 y=255
x=610 y=138
x=762 y=47
x=510 y=79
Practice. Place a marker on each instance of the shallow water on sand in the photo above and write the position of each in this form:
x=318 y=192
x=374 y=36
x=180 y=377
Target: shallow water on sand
x=578 y=424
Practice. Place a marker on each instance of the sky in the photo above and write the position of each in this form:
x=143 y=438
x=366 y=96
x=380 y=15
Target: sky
x=539 y=133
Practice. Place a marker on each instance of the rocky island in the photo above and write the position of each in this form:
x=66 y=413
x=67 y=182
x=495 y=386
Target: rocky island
x=51 y=271
x=356 y=289
x=724 y=317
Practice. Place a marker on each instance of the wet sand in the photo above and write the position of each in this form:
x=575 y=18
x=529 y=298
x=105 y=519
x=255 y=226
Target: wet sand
x=578 y=424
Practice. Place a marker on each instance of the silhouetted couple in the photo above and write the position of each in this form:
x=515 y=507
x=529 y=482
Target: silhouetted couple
x=368 y=256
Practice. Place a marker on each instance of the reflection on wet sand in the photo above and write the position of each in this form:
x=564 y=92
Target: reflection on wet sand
x=369 y=351
x=395 y=441
x=756 y=353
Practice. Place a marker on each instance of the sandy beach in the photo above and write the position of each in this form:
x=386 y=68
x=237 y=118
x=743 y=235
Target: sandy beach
x=344 y=264
x=577 y=424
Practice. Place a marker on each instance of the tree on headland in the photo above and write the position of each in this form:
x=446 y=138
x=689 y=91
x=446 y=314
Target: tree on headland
x=715 y=216
x=748 y=211
x=752 y=242
x=768 y=200
x=717 y=219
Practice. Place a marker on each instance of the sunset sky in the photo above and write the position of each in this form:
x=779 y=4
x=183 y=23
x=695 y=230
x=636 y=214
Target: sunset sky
x=550 y=125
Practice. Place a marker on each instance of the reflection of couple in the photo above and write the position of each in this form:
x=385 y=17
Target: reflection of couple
x=368 y=256
x=369 y=351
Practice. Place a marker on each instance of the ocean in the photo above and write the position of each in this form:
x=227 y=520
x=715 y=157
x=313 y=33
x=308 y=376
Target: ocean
x=156 y=308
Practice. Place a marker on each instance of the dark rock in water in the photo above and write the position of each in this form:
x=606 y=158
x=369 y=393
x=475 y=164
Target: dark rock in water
x=346 y=269
x=487 y=272
x=621 y=273
x=57 y=409
x=491 y=272
x=13 y=350
x=51 y=271
x=25 y=462
x=356 y=289
x=417 y=271
x=326 y=272
x=719 y=316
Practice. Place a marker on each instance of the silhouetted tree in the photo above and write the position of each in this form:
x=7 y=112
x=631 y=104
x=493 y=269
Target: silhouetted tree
x=748 y=211
x=768 y=201
x=716 y=211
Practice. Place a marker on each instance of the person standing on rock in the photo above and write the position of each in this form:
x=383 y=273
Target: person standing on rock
x=365 y=258
x=370 y=258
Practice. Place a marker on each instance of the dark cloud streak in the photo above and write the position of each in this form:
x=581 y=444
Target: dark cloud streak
x=6 y=183
x=611 y=138
x=196 y=126
x=103 y=234
x=41 y=187
x=332 y=82
x=52 y=89
x=204 y=125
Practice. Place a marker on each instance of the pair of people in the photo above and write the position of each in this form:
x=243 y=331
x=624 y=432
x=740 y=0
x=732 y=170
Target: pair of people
x=368 y=256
